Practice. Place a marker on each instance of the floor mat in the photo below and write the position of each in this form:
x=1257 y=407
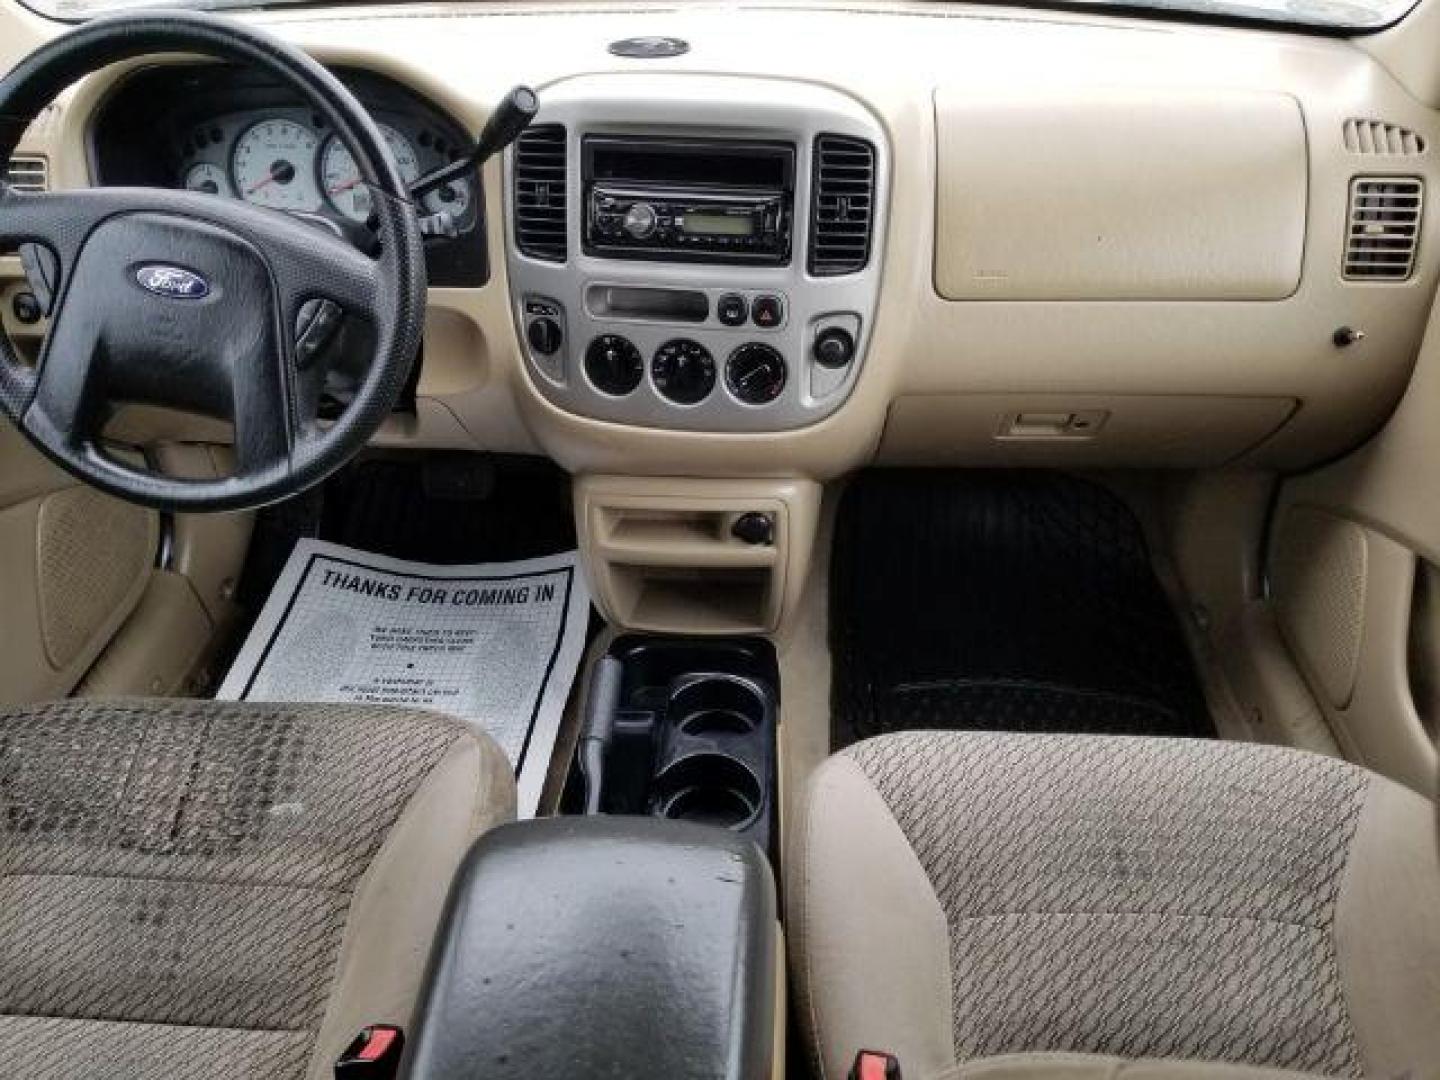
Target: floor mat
x=1001 y=601
x=446 y=508
x=451 y=508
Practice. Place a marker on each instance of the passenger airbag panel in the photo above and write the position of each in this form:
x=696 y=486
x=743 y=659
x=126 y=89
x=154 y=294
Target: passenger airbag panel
x=1119 y=194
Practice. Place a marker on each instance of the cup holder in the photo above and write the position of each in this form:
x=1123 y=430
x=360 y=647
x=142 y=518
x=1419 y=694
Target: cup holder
x=710 y=789
x=717 y=705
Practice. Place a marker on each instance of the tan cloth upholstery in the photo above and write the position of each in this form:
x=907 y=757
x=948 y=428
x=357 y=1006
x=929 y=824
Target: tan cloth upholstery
x=215 y=890
x=955 y=897
x=1095 y=1067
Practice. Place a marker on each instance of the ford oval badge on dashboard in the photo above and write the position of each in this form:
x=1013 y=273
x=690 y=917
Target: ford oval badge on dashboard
x=173 y=282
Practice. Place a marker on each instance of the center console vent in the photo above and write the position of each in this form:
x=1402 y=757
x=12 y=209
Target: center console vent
x=843 y=206
x=540 y=196
x=1384 y=227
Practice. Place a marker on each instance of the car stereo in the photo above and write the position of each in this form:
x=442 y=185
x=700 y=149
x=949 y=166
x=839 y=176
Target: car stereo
x=688 y=200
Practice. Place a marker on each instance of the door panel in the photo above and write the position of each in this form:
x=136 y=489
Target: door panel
x=1352 y=575
x=1344 y=600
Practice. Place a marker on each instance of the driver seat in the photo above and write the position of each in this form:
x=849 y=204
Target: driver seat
x=198 y=890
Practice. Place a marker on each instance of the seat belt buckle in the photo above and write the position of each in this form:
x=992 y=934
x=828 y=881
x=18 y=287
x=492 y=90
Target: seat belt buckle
x=374 y=1054
x=873 y=1065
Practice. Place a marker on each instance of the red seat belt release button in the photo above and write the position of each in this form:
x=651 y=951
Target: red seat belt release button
x=873 y=1065
x=373 y=1055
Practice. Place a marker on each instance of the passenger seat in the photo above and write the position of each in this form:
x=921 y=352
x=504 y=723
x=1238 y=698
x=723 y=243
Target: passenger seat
x=999 y=906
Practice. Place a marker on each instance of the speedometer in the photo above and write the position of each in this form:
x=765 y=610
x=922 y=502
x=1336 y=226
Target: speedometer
x=274 y=165
x=341 y=176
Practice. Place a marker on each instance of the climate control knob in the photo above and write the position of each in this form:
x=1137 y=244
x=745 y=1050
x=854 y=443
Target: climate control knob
x=755 y=373
x=614 y=365
x=640 y=220
x=684 y=371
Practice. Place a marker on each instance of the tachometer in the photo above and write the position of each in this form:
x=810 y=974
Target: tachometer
x=274 y=165
x=341 y=177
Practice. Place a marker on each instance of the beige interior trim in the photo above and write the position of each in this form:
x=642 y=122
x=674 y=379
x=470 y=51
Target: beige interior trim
x=158 y=648
x=1373 y=714
x=73 y=565
x=1082 y=430
x=1407 y=51
x=1149 y=207
x=661 y=556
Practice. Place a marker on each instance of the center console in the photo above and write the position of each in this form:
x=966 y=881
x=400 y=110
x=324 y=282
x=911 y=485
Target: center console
x=696 y=253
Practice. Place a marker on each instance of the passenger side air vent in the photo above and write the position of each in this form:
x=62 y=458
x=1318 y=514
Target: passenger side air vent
x=843 y=209
x=28 y=174
x=1378 y=137
x=1384 y=227
x=540 y=219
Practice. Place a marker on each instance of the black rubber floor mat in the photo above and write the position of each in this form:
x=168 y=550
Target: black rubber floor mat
x=1001 y=601
x=455 y=508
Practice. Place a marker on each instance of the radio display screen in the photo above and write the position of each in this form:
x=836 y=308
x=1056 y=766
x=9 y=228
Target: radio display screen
x=718 y=225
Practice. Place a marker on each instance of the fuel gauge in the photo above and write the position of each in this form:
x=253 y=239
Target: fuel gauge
x=210 y=179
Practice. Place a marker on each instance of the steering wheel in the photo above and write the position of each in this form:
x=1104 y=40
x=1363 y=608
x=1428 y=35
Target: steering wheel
x=205 y=304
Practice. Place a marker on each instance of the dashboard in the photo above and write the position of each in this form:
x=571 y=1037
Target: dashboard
x=230 y=134
x=1092 y=241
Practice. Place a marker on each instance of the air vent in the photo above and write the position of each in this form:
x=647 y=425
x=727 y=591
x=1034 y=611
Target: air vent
x=28 y=174
x=1378 y=137
x=1384 y=227
x=540 y=193
x=844 y=205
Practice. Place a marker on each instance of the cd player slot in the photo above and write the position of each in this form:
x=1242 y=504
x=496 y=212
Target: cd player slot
x=657 y=305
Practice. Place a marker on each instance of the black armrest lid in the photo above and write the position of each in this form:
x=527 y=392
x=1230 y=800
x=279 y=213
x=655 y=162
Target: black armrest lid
x=600 y=947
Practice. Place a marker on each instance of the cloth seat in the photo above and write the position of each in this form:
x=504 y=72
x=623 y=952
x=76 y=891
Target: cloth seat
x=956 y=897
x=196 y=890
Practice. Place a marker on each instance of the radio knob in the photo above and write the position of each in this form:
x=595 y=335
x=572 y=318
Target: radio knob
x=640 y=220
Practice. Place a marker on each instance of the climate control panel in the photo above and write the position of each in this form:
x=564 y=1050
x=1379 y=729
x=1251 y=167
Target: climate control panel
x=721 y=358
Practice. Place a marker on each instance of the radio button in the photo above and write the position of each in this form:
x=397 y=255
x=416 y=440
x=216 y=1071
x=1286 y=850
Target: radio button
x=732 y=310
x=640 y=220
x=767 y=311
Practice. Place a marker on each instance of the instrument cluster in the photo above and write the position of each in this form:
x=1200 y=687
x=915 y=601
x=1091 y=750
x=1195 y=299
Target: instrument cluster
x=231 y=133
x=285 y=159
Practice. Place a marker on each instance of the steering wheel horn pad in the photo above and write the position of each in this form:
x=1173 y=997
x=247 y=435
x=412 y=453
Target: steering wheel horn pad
x=184 y=300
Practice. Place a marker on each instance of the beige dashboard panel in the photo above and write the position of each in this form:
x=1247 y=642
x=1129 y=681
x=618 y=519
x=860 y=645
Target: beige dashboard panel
x=1119 y=194
x=1078 y=430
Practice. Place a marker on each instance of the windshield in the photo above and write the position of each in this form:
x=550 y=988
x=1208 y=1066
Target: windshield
x=1322 y=14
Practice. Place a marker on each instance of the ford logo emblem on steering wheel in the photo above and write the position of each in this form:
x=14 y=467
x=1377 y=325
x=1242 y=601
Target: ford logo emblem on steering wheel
x=173 y=282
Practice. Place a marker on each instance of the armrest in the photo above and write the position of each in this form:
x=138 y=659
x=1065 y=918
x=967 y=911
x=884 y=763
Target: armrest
x=603 y=946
